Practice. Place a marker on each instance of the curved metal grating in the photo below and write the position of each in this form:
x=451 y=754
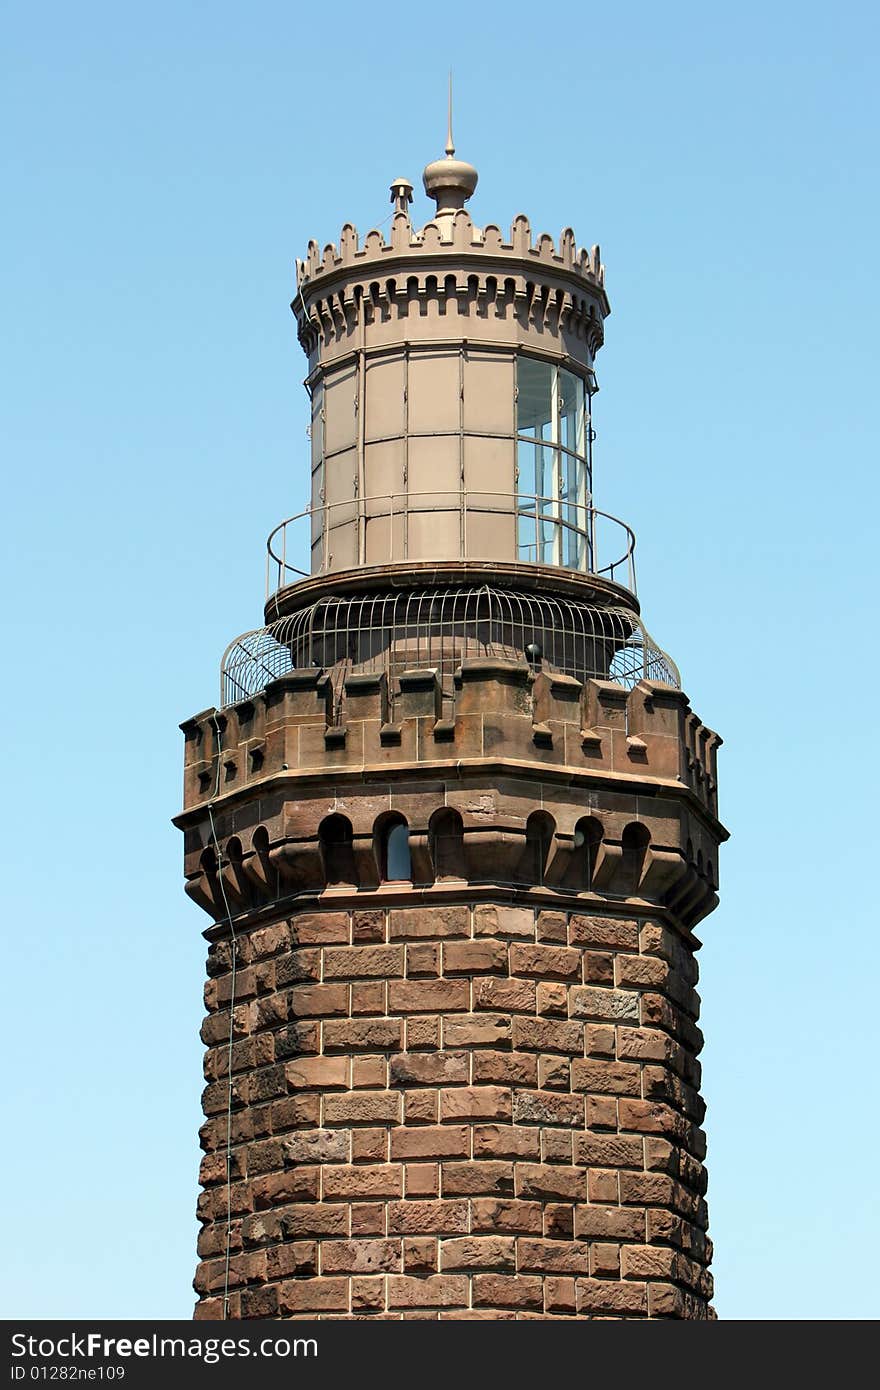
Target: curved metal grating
x=439 y=628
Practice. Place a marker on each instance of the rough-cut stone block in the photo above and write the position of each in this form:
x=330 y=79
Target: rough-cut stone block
x=506 y=1215
x=546 y=1180
x=478 y=1252
x=586 y=1001
x=317 y=1146
x=553 y=1256
x=505 y=1068
x=506 y=1141
x=477 y=1179
x=475 y=1103
x=514 y=996
x=428 y=996
x=362 y=1108
x=603 y=932
x=429 y=1068
x=373 y=1180
x=351 y=1035
x=490 y=920
x=508 y=1291
x=547 y=1108
x=476 y=1030
x=314 y=1296
x=430 y=1141
x=429 y=1291
x=547 y=1035
x=353 y=962
x=415 y=924
x=474 y=957
x=428 y=1218
x=318 y=1072
x=314 y=1001
x=611 y=1296
x=545 y=962
x=360 y=1256
x=319 y=928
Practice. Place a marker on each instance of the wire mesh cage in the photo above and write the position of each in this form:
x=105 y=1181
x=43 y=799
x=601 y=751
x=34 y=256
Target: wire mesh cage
x=393 y=632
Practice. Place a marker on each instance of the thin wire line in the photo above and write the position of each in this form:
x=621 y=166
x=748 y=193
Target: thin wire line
x=232 y=980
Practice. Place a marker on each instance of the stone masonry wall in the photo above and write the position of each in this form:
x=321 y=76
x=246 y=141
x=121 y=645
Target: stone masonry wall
x=455 y=1111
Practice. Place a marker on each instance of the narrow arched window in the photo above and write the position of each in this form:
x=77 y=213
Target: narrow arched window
x=394 y=857
x=540 y=829
x=446 y=839
x=587 y=839
x=335 y=835
x=634 y=841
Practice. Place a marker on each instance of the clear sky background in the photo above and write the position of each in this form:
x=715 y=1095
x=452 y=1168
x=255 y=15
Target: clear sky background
x=163 y=165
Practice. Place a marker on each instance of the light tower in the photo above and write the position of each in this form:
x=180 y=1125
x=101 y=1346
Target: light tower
x=454 y=823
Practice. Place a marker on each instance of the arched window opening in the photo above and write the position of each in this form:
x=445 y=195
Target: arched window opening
x=635 y=841
x=540 y=829
x=588 y=835
x=395 y=865
x=446 y=840
x=335 y=835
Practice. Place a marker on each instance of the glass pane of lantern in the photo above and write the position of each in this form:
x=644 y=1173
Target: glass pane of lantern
x=534 y=404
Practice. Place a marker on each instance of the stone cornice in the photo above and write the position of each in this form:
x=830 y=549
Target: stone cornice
x=376 y=775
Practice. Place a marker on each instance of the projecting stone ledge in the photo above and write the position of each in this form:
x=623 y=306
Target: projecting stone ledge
x=503 y=712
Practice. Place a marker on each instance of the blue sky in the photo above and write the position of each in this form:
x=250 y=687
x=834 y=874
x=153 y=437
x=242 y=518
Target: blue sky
x=163 y=166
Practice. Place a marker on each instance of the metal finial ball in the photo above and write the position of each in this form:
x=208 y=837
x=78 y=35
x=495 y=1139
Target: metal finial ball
x=534 y=652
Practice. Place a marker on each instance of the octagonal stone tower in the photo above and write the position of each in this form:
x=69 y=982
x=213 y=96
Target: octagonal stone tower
x=454 y=823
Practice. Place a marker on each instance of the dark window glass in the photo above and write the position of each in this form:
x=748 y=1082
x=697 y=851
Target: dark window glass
x=397 y=860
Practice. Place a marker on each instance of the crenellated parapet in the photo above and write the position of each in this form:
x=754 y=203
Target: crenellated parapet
x=622 y=783
x=305 y=723
x=533 y=284
x=465 y=237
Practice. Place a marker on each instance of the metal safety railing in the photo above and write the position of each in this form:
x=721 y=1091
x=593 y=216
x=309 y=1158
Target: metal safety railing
x=544 y=530
x=434 y=626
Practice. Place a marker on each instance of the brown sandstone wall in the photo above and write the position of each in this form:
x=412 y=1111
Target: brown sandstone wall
x=484 y=1111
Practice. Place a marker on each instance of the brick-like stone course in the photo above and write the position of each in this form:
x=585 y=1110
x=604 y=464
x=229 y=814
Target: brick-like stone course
x=483 y=1111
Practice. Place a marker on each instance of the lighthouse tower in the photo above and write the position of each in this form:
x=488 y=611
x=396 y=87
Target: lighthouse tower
x=454 y=823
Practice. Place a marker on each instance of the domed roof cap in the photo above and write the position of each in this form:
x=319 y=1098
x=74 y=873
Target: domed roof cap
x=449 y=181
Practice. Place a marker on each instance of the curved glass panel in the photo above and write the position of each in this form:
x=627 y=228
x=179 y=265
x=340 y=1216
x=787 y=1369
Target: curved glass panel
x=553 y=482
x=316 y=432
x=571 y=413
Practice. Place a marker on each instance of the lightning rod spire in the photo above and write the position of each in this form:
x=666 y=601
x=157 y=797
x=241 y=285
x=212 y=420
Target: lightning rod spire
x=450 y=143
